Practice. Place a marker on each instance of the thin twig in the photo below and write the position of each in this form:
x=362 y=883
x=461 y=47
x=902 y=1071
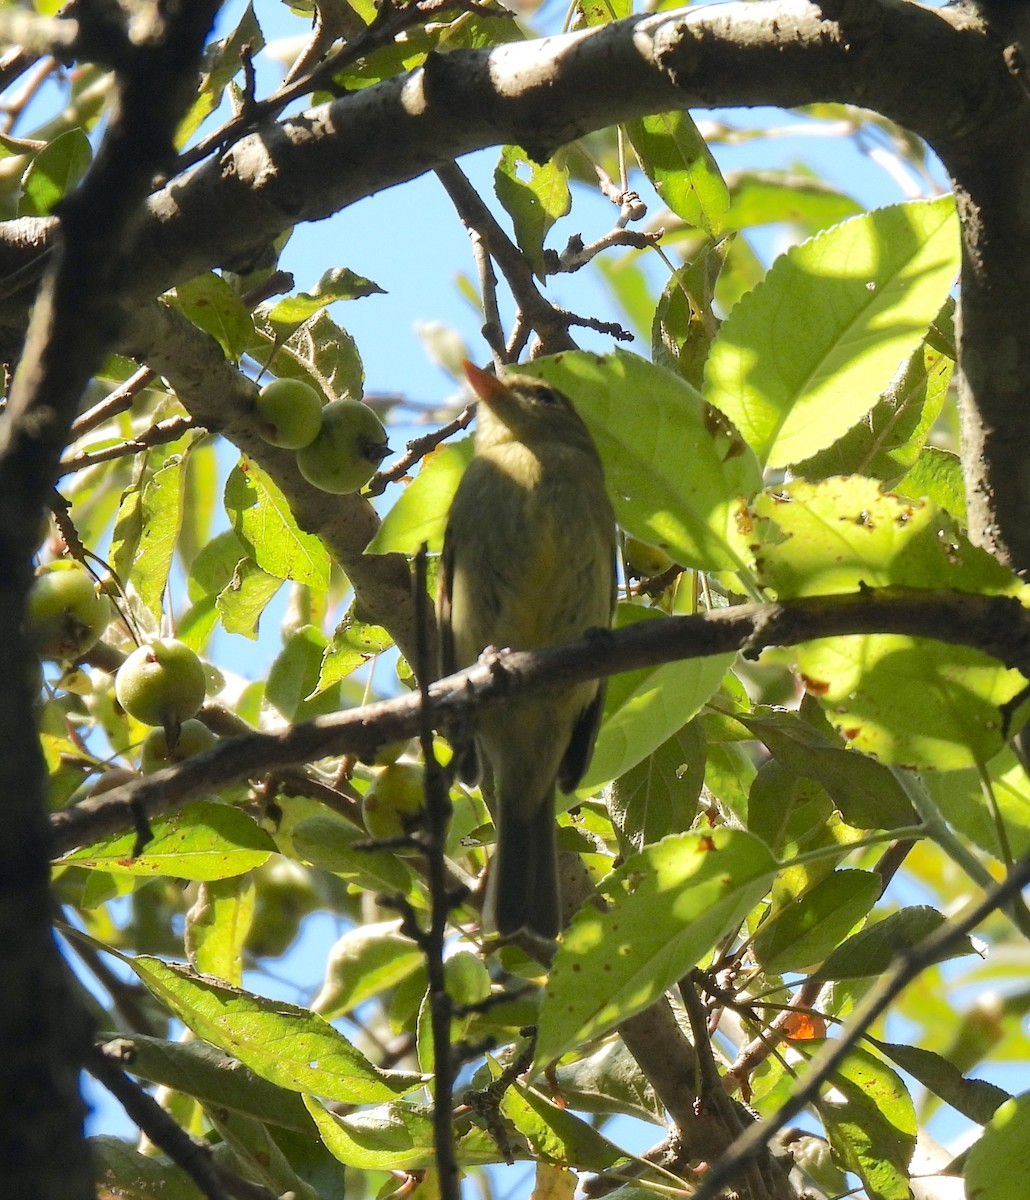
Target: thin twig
x=437 y=820
x=418 y=448
x=550 y=324
x=192 y=1155
x=169 y=430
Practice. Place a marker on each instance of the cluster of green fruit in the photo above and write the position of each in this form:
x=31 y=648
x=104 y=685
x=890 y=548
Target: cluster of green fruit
x=339 y=445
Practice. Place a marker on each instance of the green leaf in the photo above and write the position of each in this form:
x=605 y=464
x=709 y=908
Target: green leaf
x=676 y=159
x=729 y=775
x=807 y=352
x=420 y=512
x=602 y=12
x=660 y=794
x=128 y=526
x=866 y=793
x=399 y=1137
x=365 y=961
x=283 y=1043
x=222 y=61
x=646 y=707
x=769 y=197
x=937 y=476
x=997 y=1167
x=217 y=925
x=888 y=440
x=353 y=644
x=204 y=840
x=328 y=843
x=535 y=203
x=960 y=797
x=292 y=685
x=669 y=905
x=264 y=524
x=258 y=1149
x=216 y=1079
x=53 y=172
x=245 y=597
x=121 y=1170
x=556 y=1134
x=317 y=351
x=161 y=519
x=973 y=1098
x=908 y=701
x=805 y=932
x=684 y=323
x=610 y=1081
x=871 y=1123
x=647 y=424
x=214 y=566
x=873 y=950
x=212 y=305
x=338 y=283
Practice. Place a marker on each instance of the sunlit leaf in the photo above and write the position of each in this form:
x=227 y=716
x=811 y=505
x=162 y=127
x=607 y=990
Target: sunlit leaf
x=810 y=349
x=669 y=905
x=264 y=524
x=281 y=1042
x=204 y=840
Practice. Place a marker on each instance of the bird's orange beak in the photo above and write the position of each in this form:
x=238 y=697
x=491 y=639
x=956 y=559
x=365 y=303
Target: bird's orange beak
x=485 y=384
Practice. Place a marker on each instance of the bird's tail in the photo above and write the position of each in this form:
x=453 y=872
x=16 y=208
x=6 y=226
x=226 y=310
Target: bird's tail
x=522 y=887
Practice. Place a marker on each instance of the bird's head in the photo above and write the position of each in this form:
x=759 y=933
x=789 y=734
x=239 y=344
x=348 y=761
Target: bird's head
x=527 y=410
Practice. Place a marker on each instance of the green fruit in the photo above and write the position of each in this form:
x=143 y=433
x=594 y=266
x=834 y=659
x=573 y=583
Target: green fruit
x=162 y=683
x=194 y=736
x=110 y=779
x=65 y=615
x=284 y=896
x=348 y=450
x=289 y=413
x=644 y=561
x=468 y=980
x=387 y=753
x=391 y=806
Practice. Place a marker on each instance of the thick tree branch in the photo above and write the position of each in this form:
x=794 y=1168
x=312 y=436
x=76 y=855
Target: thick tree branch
x=1000 y=626
x=974 y=110
x=543 y=94
x=77 y=315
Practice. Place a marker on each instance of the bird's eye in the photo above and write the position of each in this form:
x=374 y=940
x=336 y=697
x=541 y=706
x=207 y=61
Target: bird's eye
x=546 y=395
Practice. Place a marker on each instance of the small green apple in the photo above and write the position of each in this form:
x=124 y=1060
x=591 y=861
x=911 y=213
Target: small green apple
x=65 y=615
x=110 y=779
x=394 y=800
x=162 y=683
x=284 y=896
x=155 y=755
x=289 y=413
x=468 y=980
x=644 y=561
x=348 y=450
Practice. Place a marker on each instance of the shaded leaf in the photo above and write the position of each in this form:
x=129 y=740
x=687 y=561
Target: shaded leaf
x=669 y=905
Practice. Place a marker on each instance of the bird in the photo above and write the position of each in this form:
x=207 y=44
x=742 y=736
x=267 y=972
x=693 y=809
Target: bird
x=528 y=561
